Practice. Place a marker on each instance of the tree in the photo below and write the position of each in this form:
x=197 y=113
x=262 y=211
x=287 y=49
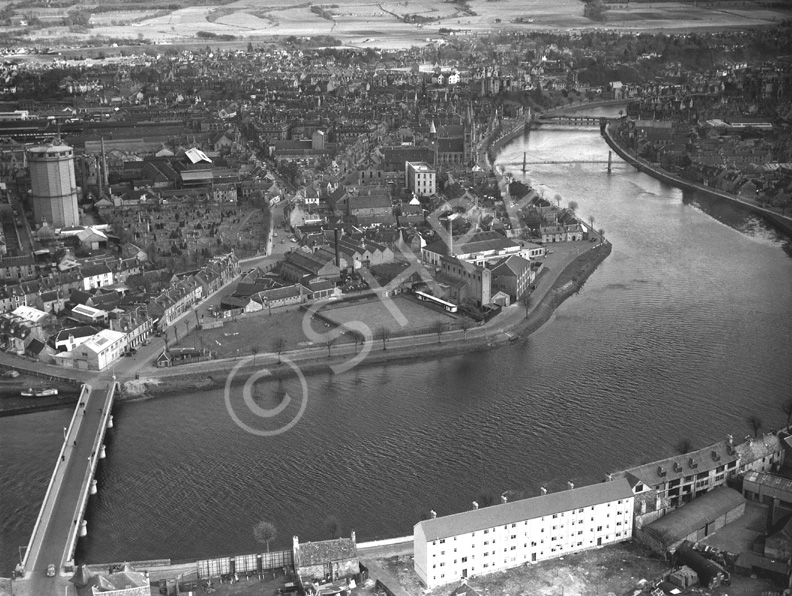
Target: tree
x=557 y=199
x=485 y=499
x=384 y=334
x=573 y=206
x=595 y=10
x=332 y=525
x=464 y=325
x=438 y=327
x=787 y=409
x=756 y=424
x=685 y=446
x=591 y=222
x=330 y=343
x=254 y=349
x=265 y=532
x=526 y=300
x=278 y=345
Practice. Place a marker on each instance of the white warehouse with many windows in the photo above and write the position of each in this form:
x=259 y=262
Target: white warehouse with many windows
x=496 y=538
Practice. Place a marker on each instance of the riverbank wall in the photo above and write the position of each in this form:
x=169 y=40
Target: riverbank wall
x=782 y=224
x=213 y=375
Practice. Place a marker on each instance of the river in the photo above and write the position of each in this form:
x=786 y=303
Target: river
x=683 y=332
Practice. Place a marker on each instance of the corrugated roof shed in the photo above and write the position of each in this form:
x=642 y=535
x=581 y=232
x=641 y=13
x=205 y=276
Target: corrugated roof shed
x=679 y=524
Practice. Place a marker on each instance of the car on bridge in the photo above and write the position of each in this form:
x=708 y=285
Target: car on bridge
x=51 y=570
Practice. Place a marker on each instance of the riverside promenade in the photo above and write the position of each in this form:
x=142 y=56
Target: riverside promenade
x=60 y=520
x=777 y=218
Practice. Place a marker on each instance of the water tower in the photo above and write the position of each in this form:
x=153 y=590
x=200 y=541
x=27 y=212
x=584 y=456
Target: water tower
x=53 y=185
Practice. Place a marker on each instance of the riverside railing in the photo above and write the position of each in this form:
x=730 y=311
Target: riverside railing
x=45 y=513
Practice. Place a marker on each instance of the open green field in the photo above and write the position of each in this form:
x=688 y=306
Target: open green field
x=364 y=23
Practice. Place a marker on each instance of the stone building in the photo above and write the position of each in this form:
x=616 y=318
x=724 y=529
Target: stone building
x=326 y=559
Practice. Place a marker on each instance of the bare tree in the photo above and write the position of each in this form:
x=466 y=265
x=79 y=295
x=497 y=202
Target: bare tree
x=756 y=424
x=384 y=334
x=265 y=532
x=438 y=327
x=464 y=325
x=527 y=300
x=330 y=343
x=278 y=345
x=254 y=349
x=332 y=525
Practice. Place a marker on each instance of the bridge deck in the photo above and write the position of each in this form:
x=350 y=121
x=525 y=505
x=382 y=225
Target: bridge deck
x=54 y=536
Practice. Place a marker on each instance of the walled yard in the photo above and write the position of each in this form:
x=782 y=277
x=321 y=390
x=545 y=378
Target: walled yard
x=183 y=231
x=376 y=315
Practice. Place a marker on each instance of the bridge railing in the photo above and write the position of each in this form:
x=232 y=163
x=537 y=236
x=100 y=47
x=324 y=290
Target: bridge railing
x=82 y=503
x=48 y=504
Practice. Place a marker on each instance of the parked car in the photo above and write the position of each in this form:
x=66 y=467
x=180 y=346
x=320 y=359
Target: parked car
x=51 y=570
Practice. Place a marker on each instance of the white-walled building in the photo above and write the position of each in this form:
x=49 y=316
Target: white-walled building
x=507 y=535
x=421 y=178
x=101 y=350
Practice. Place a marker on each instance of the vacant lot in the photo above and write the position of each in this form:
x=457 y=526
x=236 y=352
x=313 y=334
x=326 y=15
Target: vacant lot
x=613 y=569
x=376 y=314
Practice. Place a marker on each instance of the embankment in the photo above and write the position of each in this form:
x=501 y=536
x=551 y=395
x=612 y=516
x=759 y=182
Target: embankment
x=212 y=375
x=782 y=224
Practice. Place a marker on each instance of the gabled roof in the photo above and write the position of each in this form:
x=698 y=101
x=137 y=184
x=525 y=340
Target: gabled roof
x=326 y=551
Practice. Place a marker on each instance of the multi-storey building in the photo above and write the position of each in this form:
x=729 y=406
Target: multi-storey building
x=496 y=538
x=420 y=178
x=664 y=485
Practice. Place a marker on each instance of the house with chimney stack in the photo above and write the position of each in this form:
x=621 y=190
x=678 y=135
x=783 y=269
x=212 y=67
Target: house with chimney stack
x=664 y=485
x=492 y=539
x=325 y=560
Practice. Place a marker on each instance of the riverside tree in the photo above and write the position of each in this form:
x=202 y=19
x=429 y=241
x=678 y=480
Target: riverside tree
x=264 y=532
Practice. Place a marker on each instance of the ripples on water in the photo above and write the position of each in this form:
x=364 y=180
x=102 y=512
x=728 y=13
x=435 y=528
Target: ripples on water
x=683 y=331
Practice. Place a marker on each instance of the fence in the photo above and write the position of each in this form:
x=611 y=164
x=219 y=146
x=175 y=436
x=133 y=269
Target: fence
x=255 y=563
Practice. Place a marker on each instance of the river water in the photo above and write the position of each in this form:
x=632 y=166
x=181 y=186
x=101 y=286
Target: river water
x=683 y=332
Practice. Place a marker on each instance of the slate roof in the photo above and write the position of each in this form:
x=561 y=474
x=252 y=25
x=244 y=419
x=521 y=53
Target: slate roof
x=325 y=551
x=525 y=509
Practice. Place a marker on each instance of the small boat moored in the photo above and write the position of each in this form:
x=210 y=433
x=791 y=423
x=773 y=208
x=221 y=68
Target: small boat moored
x=39 y=392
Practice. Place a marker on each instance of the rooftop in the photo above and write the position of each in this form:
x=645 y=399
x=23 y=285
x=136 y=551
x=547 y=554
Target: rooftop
x=525 y=509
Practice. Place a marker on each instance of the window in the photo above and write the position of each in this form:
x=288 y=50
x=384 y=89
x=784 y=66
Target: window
x=464 y=559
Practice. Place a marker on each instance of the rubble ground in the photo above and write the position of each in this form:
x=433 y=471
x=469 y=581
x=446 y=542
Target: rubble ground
x=613 y=569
